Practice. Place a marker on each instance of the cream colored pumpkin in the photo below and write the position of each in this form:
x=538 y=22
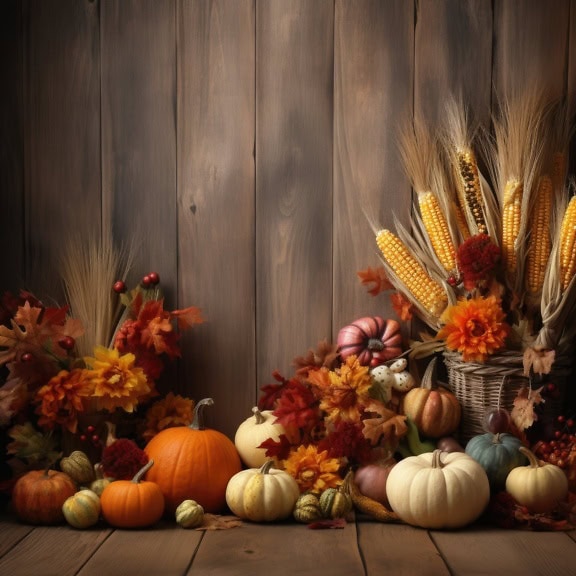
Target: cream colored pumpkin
x=262 y=495
x=256 y=429
x=438 y=490
x=189 y=514
x=538 y=486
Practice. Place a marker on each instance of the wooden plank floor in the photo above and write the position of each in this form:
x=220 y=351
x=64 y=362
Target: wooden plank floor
x=361 y=548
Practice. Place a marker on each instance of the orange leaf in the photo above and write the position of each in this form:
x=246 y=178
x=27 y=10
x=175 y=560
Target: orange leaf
x=217 y=522
x=538 y=361
x=388 y=425
x=377 y=277
x=522 y=413
x=187 y=316
x=402 y=306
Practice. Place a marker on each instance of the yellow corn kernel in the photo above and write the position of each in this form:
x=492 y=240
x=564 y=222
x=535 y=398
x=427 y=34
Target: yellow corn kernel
x=437 y=229
x=461 y=222
x=409 y=271
x=539 y=242
x=470 y=192
x=568 y=244
x=511 y=211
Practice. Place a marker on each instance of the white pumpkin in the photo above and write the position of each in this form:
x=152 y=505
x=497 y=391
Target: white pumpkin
x=256 y=429
x=438 y=490
x=539 y=486
x=262 y=495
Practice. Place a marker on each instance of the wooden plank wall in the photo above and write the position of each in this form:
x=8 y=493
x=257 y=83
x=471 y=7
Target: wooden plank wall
x=242 y=143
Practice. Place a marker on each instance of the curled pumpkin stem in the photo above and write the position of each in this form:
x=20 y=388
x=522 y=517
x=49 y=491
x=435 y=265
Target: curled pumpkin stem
x=367 y=505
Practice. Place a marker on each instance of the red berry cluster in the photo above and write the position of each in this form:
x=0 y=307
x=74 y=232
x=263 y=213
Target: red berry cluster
x=561 y=449
x=150 y=279
x=90 y=435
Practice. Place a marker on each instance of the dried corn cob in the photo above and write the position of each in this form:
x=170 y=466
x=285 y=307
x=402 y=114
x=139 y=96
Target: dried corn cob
x=470 y=192
x=461 y=221
x=540 y=243
x=410 y=272
x=559 y=169
x=511 y=212
x=568 y=244
x=367 y=505
x=437 y=229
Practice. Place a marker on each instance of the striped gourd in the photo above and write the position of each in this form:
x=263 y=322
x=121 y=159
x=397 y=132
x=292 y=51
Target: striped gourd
x=470 y=192
x=539 y=242
x=568 y=244
x=426 y=291
x=511 y=213
x=437 y=229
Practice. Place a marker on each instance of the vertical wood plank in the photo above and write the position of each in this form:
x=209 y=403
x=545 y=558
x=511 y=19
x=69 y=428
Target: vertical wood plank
x=294 y=114
x=216 y=180
x=531 y=45
x=139 y=133
x=11 y=147
x=453 y=56
x=373 y=79
x=62 y=138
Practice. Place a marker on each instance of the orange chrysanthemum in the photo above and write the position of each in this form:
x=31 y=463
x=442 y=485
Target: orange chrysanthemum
x=348 y=390
x=476 y=328
x=173 y=410
x=61 y=399
x=116 y=381
x=313 y=471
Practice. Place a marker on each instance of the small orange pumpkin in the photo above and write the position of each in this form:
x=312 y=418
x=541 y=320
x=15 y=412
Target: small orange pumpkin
x=434 y=409
x=132 y=503
x=38 y=496
x=193 y=463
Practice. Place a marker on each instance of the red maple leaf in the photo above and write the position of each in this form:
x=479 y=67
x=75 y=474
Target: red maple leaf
x=297 y=407
x=277 y=449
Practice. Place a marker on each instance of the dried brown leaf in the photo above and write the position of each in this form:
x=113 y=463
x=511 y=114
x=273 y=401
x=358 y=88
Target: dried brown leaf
x=219 y=522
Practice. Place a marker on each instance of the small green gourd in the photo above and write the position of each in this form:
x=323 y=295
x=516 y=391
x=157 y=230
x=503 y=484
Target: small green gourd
x=334 y=503
x=189 y=514
x=307 y=508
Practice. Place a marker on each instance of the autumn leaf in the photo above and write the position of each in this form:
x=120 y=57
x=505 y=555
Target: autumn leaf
x=331 y=524
x=187 y=317
x=402 y=306
x=387 y=425
x=538 y=361
x=218 y=522
x=522 y=414
x=277 y=449
x=375 y=279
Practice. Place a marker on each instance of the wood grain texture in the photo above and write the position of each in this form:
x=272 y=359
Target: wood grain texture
x=373 y=85
x=514 y=553
x=168 y=552
x=216 y=183
x=62 y=134
x=294 y=114
x=11 y=146
x=530 y=45
x=53 y=551
x=399 y=549
x=11 y=533
x=284 y=549
x=453 y=55
x=139 y=134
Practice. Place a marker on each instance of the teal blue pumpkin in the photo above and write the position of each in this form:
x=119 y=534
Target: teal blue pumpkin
x=497 y=454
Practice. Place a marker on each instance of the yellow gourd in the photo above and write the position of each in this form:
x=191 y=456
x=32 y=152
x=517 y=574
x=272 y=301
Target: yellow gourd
x=82 y=510
x=539 y=486
x=189 y=514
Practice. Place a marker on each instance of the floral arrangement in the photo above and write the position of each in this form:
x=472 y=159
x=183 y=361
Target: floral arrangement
x=487 y=267
x=335 y=416
x=101 y=353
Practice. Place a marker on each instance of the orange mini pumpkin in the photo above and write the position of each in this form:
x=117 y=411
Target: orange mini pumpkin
x=132 y=503
x=193 y=463
x=38 y=496
x=434 y=409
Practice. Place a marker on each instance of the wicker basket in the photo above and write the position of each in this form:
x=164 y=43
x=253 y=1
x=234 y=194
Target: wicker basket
x=480 y=387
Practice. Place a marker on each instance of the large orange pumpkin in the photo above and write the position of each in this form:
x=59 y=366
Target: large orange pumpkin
x=38 y=496
x=193 y=463
x=434 y=409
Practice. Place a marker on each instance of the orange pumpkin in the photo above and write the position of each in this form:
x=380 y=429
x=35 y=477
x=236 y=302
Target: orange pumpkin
x=38 y=496
x=434 y=409
x=132 y=503
x=193 y=463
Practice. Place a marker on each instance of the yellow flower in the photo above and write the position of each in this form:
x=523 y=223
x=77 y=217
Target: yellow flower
x=172 y=410
x=476 y=328
x=116 y=381
x=312 y=470
x=349 y=386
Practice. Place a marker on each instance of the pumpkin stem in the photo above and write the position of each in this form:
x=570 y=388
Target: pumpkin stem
x=531 y=457
x=436 y=460
x=198 y=421
x=496 y=438
x=258 y=415
x=429 y=376
x=265 y=468
x=375 y=344
x=142 y=471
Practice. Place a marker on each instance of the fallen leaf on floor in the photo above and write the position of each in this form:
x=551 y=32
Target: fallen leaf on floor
x=327 y=524
x=218 y=522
